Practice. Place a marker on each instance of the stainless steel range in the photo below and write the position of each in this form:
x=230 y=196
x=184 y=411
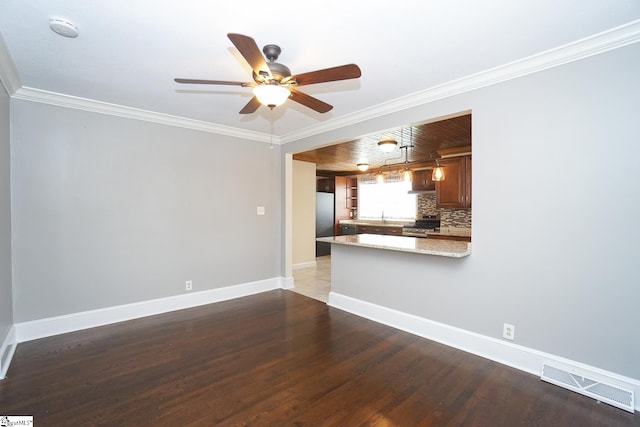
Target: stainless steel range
x=422 y=226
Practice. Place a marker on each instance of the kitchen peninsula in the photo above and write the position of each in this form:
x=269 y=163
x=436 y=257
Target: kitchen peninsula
x=403 y=228
x=444 y=248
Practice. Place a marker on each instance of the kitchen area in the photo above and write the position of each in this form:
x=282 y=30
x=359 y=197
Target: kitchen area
x=430 y=164
x=430 y=222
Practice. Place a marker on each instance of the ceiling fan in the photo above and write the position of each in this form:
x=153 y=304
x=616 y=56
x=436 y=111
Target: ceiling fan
x=273 y=83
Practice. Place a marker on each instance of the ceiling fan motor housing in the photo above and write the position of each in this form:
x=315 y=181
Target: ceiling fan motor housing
x=278 y=71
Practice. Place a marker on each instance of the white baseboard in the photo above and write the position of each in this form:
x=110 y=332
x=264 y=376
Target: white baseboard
x=7 y=348
x=305 y=265
x=287 y=282
x=26 y=331
x=517 y=356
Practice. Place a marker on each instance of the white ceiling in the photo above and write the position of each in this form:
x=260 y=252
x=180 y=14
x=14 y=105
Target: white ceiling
x=128 y=52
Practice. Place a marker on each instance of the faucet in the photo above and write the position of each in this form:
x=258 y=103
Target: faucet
x=383 y=217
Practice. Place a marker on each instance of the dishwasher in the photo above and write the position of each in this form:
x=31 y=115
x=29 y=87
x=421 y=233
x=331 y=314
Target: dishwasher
x=346 y=229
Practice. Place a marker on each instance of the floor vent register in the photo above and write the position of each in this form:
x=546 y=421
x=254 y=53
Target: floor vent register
x=596 y=386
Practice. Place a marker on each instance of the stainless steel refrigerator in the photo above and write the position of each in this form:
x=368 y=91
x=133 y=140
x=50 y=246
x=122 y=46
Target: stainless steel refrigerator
x=324 y=221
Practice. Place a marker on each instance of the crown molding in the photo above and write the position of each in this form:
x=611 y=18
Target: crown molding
x=599 y=43
x=593 y=45
x=52 y=98
x=8 y=73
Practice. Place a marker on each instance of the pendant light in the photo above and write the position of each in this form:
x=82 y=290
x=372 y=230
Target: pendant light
x=380 y=177
x=438 y=172
x=407 y=174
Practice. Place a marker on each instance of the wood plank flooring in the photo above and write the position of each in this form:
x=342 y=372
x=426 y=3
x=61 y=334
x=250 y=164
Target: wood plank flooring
x=276 y=359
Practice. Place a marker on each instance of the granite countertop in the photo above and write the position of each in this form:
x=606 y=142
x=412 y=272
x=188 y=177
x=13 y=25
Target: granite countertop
x=376 y=222
x=436 y=247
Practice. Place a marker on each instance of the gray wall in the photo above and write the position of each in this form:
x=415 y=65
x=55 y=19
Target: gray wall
x=109 y=211
x=555 y=216
x=6 y=304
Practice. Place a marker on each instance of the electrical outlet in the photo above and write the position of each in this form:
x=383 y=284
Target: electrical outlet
x=188 y=286
x=509 y=331
x=260 y=210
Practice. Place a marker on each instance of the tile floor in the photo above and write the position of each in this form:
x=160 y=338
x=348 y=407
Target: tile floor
x=314 y=282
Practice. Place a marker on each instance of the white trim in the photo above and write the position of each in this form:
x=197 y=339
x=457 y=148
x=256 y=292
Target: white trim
x=26 y=331
x=308 y=264
x=61 y=100
x=598 y=43
x=287 y=282
x=510 y=354
x=7 y=349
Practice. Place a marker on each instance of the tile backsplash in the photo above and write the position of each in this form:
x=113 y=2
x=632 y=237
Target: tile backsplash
x=449 y=218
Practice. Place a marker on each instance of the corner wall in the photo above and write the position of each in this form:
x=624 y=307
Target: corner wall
x=304 y=213
x=6 y=293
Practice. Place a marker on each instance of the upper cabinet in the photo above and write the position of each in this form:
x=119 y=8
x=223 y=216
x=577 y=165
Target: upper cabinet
x=455 y=190
x=422 y=181
x=326 y=185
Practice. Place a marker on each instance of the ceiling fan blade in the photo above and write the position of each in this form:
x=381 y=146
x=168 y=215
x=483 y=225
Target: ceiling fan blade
x=342 y=72
x=251 y=53
x=251 y=106
x=213 y=82
x=309 y=101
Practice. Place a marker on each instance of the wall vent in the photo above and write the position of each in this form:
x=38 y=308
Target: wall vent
x=596 y=386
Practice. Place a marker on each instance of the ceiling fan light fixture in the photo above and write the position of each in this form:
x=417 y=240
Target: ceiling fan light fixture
x=387 y=144
x=271 y=95
x=363 y=167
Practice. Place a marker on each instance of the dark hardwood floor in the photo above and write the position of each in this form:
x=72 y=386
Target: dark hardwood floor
x=276 y=359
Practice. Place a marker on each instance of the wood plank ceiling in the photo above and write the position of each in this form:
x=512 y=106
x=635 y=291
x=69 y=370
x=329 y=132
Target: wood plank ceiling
x=427 y=139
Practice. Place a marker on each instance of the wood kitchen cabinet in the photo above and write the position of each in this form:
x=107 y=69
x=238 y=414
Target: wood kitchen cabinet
x=422 y=181
x=455 y=190
x=326 y=185
x=377 y=229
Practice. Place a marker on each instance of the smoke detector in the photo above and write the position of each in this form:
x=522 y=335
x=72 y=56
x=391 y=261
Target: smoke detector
x=63 y=27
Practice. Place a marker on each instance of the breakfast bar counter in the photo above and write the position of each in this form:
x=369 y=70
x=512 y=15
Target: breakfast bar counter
x=415 y=245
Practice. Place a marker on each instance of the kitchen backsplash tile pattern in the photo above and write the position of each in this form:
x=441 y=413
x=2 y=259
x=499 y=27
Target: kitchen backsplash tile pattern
x=449 y=218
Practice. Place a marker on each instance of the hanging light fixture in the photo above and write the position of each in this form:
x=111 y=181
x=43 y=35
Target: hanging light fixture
x=438 y=172
x=363 y=167
x=272 y=94
x=407 y=174
x=387 y=144
x=380 y=177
